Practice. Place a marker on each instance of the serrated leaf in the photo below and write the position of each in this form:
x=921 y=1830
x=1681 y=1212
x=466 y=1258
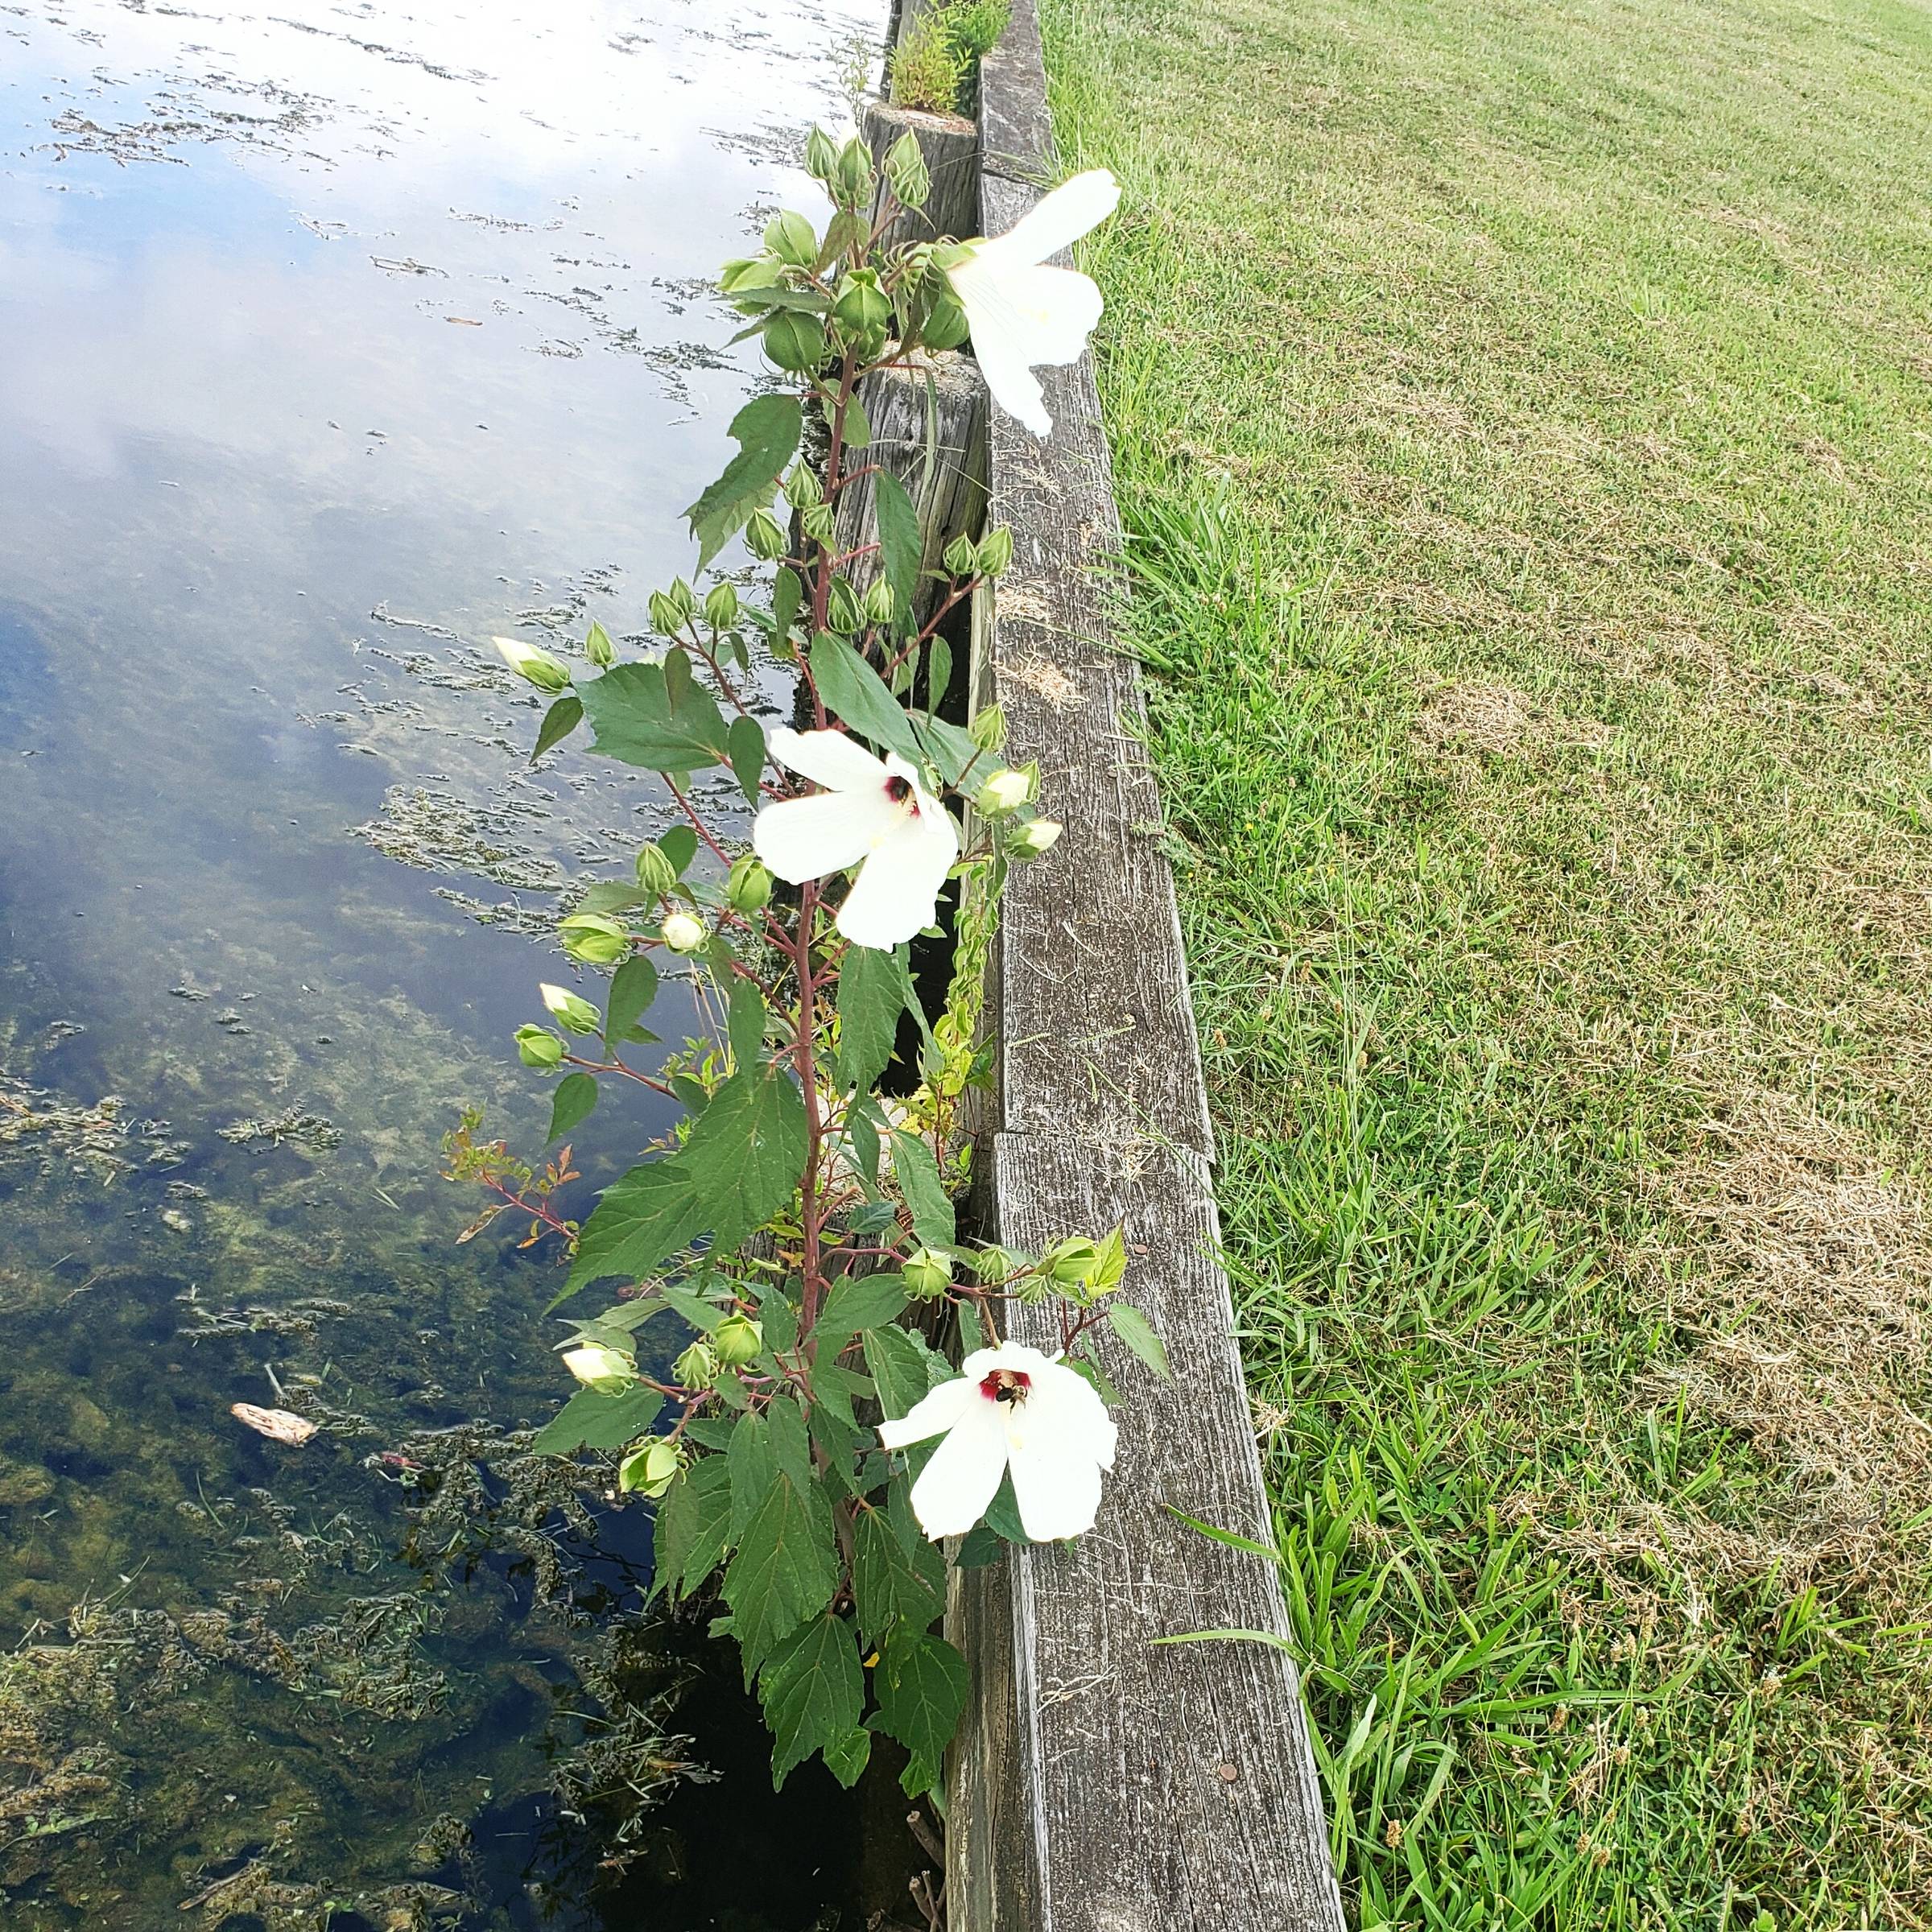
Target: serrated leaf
x=900 y=545
x=903 y=1368
x=744 y=1023
x=633 y=986
x=753 y=1465
x=846 y=1757
x=560 y=721
x=767 y=430
x=745 y=745
x=745 y=1152
x=856 y=1302
x=921 y=1686
x=637 y=714
x=855 y=694
x=813 y=1693
x=874 y=988
x=693 y=1529
x=642 y=1217
x=862 y=1129
x=835 y=1389
x=576 y=1096
x=917 y=1174
x=887 y=1585
x=1134 y=1329
x=785 y=1570
x=592 y=1419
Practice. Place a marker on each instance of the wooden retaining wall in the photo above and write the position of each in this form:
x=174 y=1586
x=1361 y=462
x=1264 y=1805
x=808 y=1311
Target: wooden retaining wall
x=1103 y=1783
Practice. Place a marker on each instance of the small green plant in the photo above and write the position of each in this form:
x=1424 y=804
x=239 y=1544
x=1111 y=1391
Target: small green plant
x=936 y=65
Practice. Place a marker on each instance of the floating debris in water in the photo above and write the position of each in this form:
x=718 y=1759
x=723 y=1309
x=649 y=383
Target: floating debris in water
x=278 y=1425
x=314 y=1131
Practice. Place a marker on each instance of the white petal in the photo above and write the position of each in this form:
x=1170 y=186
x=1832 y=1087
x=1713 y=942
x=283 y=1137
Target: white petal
x=933 y=1415
x=1060 y=219
x=1077 y=1410
x=897 y=892
x=1010 y=383
x=827 y=757
x=801 y=839
x=1015 y=1356
x=1043 y=315
x=964 y=1476
x=1055 y=1482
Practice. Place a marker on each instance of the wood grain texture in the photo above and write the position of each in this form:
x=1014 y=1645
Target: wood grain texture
x=951 y=146
x=1103 y=1783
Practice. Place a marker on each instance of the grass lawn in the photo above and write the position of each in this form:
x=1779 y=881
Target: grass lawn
x=1523 y=412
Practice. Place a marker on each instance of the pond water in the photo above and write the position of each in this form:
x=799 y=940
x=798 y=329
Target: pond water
x=335 y=338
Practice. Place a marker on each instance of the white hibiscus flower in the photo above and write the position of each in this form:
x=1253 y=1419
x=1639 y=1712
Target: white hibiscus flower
x=1024 y=315
x=875 y=814
x=1012 y=1409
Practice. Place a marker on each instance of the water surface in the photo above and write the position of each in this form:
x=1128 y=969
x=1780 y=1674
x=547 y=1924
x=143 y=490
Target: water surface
x=334 y=339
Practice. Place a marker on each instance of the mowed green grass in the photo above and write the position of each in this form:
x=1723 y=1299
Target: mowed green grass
x=1523 y=417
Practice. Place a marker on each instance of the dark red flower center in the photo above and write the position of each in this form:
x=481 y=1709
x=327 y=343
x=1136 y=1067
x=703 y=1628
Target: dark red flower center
x=1006 y=1385
x=899 y=789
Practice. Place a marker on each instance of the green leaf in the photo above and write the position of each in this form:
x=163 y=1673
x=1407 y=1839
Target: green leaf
x=649 y=1213
x=834 y=1389
x=592 y=1419
x=576 y=1094
x=918 y=1174
x=767 y=430
x=900 y=546
x=1134 y=1329
x=693 y=1529
x=980 y=1546
x=787 y=594
x=857 y=694
x=888 y=1585
x=874 y=988
x=633 y=986
x=607 y=895
x=745 y=1153
x=862 y=1126
x=921 y=1686
x=680 y=846
x=856 y=1302
x=785 y=1571
x=858 y=425
x=745 y=745
x=903 y=1367
x=639 y=715
x=813 y=1693
x=846 y=1757
x=753 y=1465
x=744 y=1024
x=791 y=1450
x=560 y=721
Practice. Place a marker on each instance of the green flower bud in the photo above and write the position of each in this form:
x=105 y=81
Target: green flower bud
x=749 y=273
x=881 y=602
x=851 y=181
x=592 y=940
x=996 y=551
x=842 y=611
x=764 y=537
x=538 y=667
x=961 y=557
x=861 y=309
x=821 y=155
x=697 y=1368
x=927 y=1274
x=537 y=1047
x=748 y=886
x=792 y=239
x=683 y=933
x=1071 y=1261
x=1036 y=836
x=737 y=1340
x=574 y=1015
x=649 y=1472
x=820 y=521
x=803 y=487
x=1006 y=790
x=656 y=874
x=599 y=649
x=795 y=343
x=945 y=325
x=987 y=729
x=597 y=1366
x=721 y=607
x=906 y=174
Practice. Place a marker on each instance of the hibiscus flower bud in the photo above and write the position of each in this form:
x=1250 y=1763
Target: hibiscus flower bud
x=656 y=874
x=996 y=551
x=697 y=1368
x=721 y=607
x=539 y=1047
x=844 y=612
x=861 y=311
x=881 y=603
x=851 y=180
x=792 y=239
x=574 y=1015
x=1070 y=1262
x=820 y=521
x=748 y=886
x=650 y=1471
x=538 y=667
x=961 y=556
x=795 y=342
x=592 y=940
x=946 y=325
x=683 y=933
x=764 y=537
x=987 y=729
x=737 y=1340
x=803 y=487
x=907 y=173
x=821 y=155
x=1006 y=790
x=597 y=1366
x=1036 y=836
x=670 y=610
x=599 y=649
x=927 y=1274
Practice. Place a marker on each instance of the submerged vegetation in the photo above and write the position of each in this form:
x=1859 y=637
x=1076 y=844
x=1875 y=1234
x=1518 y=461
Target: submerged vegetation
x=1530 y=533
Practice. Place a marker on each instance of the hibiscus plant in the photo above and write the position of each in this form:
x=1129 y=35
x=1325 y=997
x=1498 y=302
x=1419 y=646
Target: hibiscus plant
x=797 y=1231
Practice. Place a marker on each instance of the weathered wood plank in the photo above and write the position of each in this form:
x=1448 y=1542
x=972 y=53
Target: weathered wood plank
x=1104 y=1784
x=951 y=145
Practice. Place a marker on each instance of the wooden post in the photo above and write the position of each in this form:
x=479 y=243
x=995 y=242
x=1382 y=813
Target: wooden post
x=1101 y=1783
x=951 y=146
